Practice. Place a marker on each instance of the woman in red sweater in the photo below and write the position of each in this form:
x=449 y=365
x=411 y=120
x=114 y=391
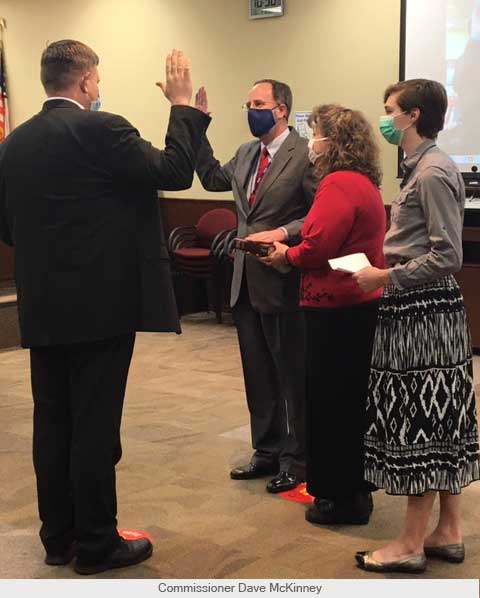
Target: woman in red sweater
x=347 y=216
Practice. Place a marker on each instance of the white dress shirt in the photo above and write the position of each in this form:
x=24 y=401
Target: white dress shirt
x=67 y=99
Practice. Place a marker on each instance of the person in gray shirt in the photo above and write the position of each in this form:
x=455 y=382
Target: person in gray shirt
x=425 y=238
x=421 y=420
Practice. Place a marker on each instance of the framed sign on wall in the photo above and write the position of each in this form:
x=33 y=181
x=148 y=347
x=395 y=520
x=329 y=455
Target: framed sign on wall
x=263 y=9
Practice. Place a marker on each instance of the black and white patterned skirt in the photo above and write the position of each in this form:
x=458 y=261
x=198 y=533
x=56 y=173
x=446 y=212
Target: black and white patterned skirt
x=421 y=427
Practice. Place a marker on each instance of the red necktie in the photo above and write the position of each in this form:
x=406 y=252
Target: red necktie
x=262 y=168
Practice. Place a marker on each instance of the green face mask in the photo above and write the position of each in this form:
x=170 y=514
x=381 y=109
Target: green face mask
x=389 y=130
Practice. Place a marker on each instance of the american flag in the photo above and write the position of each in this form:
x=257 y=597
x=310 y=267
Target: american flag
x=4 y=123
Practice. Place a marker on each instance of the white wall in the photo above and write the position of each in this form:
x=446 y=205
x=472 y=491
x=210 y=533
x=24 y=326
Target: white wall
x=327 y=50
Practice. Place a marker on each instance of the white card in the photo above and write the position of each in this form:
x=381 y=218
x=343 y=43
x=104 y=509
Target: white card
x=350 y=263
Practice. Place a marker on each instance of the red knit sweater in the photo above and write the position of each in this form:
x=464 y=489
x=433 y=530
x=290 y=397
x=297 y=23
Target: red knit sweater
x=347 y=216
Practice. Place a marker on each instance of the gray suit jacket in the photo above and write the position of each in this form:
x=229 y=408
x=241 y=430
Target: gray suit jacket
x=283 y=199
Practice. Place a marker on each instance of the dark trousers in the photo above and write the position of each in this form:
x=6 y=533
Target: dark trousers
x=339 y=349
x=272 y=348
x=78 y=393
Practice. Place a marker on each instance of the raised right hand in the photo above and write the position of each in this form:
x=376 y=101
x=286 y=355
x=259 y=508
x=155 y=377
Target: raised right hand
x=178 y=85
x=201 y=100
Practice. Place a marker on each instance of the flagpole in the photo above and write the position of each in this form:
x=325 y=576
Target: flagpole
x=4 y=115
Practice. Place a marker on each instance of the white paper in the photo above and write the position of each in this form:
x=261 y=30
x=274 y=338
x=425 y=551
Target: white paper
x=350 y=263
x=301 y=124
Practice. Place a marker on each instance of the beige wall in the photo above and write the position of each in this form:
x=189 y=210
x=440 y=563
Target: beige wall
x=327 y=50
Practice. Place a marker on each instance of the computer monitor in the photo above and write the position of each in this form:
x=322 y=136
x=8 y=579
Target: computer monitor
x=440 y=39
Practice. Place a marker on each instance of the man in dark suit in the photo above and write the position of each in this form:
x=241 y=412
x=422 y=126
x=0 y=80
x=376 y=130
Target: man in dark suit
x=273 y=187
x=78 y=201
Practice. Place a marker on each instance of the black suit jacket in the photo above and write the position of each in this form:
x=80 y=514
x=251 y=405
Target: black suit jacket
x=78 y=202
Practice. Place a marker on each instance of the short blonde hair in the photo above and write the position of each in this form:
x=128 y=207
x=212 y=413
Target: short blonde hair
x=63 y=62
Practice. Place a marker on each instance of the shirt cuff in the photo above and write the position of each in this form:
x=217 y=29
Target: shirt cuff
x=287 y=236
x=394 y=278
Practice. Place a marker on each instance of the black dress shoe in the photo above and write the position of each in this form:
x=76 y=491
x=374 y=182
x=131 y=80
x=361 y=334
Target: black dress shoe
x=253 y=470
x=283 y=482
x=57 y=559
x=355 y=510
x=128 y=552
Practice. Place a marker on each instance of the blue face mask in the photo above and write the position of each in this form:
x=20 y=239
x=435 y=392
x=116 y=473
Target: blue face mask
x=260 y=121
x=95 y=105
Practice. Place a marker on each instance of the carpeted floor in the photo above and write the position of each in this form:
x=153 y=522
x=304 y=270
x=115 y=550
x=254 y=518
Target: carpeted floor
x=9 y=331
x=185 y=424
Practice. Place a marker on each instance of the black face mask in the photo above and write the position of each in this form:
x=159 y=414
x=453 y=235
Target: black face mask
x=260 y=121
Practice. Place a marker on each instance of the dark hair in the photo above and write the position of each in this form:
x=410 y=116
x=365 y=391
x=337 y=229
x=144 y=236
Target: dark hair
x=429 y=97
x=351 y=142
x=281 y=92
x=63 y=62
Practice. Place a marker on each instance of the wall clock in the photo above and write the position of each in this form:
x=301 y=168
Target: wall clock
x=263 y=9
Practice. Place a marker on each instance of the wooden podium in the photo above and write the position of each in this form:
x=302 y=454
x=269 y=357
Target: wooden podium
x=6 y=265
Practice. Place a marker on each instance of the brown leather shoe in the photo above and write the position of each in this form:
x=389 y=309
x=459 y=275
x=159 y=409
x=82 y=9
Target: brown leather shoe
x=411 y=564
x=452 y=553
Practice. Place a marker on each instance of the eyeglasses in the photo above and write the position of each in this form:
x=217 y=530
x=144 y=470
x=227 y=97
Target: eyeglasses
x=258 y=105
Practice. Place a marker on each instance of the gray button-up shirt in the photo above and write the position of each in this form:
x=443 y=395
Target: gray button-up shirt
x=424 y=242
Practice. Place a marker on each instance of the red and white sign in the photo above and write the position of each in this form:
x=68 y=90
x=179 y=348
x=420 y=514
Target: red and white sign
x=133 y=534
x=298 y=494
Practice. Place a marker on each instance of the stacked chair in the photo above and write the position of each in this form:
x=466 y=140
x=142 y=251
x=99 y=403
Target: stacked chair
x=201 y=251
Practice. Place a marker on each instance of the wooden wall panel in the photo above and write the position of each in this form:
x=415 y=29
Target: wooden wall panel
x=469 y=280
x=186 y=212
x=175 y=212
x=6 y=264
x=178 y=212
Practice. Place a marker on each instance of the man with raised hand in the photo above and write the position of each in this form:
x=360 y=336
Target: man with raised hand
x=78 y=202
x=273 y=186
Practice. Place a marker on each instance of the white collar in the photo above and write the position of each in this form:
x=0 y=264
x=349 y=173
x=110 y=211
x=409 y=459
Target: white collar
x=275 y=144
x=67 y=99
